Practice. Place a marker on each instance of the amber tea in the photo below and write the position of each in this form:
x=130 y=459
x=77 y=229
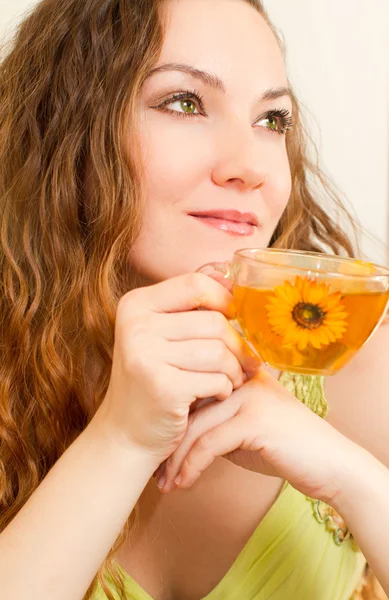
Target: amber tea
x=320 y=334
x=304 y=312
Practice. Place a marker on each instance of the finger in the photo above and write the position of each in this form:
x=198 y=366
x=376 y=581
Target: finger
x=204 y=385
x=205 y=325
x=222 y=279
x=205 y=356
x=221 y=440
x=161 y=477
x=160 y=470
x=183 y=293
x=203 y=420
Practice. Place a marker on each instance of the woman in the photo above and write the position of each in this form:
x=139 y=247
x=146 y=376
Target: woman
x=141 y=140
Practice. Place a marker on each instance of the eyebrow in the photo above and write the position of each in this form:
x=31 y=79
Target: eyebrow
x=214 y=81
x=207 y=78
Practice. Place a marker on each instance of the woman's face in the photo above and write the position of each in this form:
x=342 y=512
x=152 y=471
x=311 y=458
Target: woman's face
x=213 y=115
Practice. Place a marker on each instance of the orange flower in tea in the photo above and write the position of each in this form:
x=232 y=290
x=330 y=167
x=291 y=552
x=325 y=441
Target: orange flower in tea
x=305 y=313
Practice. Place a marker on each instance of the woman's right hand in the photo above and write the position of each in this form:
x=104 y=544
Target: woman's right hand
x=167 y=355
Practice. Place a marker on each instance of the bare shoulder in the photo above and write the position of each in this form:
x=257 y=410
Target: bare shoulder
x=358 y=397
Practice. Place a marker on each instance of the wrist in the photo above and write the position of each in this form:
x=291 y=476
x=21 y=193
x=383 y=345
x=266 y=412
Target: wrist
x=120 y=447
x=358 y=474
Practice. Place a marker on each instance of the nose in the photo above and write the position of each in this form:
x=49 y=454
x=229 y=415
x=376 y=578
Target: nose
x=240 y=162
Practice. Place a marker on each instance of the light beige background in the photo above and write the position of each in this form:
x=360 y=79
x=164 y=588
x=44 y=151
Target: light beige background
x=338 y=56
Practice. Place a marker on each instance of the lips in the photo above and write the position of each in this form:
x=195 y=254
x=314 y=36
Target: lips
x=229 y=221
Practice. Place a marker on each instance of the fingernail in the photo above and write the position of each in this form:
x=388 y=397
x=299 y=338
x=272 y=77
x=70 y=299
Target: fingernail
x=161 y=482
x=178 y=480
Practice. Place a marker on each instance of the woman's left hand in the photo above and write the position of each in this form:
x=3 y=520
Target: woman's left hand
x=264 y=428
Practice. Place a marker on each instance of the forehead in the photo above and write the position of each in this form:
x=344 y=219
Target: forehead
x=227 y=37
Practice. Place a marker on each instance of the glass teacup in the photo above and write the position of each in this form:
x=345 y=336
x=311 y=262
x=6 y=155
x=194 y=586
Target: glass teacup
x=304 y=312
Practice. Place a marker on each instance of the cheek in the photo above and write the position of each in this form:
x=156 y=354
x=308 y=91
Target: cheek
x=174 y=161
x=279 y=186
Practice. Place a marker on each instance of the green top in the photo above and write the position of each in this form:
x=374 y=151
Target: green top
x=301 y=549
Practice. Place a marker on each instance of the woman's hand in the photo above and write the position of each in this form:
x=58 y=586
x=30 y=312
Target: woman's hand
x=264 y=428
x=167 y=355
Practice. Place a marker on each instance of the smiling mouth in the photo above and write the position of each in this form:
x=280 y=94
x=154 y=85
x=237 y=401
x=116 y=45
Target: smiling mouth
x=229 y=221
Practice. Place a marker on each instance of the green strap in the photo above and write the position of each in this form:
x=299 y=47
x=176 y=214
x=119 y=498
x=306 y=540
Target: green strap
x=309 y=389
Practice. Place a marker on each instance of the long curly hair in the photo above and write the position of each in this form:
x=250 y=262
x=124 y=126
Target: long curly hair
x=71 y=207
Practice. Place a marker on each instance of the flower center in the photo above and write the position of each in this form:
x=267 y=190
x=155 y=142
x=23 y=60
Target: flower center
x=308 y=316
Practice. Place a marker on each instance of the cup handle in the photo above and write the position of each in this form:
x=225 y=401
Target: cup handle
x=220 y=271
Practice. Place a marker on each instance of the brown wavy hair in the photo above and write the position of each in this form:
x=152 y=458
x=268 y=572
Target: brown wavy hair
x=68 y=88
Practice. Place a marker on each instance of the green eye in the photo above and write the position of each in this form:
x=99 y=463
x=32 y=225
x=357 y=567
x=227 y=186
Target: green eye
x=272 y=123
x=183 y=104
x=188 y=106
x=277 y=121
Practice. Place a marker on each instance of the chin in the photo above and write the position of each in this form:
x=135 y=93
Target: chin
x=190 y=259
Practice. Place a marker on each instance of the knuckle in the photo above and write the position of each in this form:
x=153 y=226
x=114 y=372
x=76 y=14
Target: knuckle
x=227 y=387
x=204 y=443
x=197 y=285
x=139 y=357
x=236 y=371
x=220 y=352
x=129 y=299
x=129 y=308
x=169 y=405
x=236 y=366
x=219 y=324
